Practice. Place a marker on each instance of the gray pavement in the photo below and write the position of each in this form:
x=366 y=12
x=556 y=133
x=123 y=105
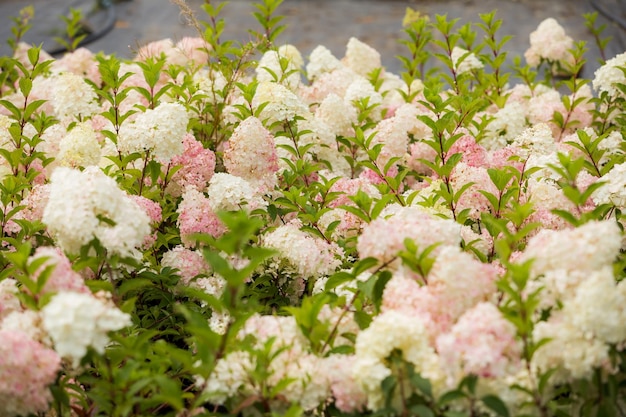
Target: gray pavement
x=319 y=22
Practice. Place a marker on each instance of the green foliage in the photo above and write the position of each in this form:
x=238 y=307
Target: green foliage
x=270 y=23
x=75 y=30
x=596 y=31
x=21 y=25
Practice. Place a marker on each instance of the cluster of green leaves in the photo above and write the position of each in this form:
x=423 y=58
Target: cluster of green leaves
x=161 y=364
x=23 y=159
x=75 y=30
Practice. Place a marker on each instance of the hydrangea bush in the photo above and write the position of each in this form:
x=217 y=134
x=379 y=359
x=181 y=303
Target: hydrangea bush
x=216 y=228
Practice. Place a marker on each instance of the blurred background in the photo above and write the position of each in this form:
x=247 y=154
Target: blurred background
x=122 y=26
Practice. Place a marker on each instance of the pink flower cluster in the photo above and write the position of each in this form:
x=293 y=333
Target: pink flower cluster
x=195 y=215
x=251 y=154
x=61 y=275
x=549 y=42
x=384 y=238
x=196 y=166
x=189 y=263
x=482 y=343
x=27 y=369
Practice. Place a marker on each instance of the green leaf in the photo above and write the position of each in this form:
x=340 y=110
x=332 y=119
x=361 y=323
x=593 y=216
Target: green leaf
x=170 y=391
x=362 y=319
x=456 y=414
x=495 y=404
x=217 y=262
x=280 y=386
x=337 y=279
x=134 y=285
x=379 y=286
x=422 y=384
x=342 y=350
x=388 y=385
x=567 y=216
x=363 y=215
x=422 y=411
x=294 y=411
x=544 y=379
x=470 y=382
x=450 y=396
x=25 y=86
x=363 y=265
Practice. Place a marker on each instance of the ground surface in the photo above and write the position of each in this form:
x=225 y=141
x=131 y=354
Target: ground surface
x=314 y=22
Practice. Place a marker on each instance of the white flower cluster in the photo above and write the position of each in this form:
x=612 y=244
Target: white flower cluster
x=281 y=104
x=320 y=135
x=77 y=321
x=309 y=382
x=540 y=164
x=337 y=114
x=588 y=247
x=27 y=322
x=72 y=97
x=546 y=194
x=80 y=147
x=610 y=74
x=8 y=300
x=270 y=69
x=549 y=42
x=613 y=191
x=568 y=350
x=231 y=193
x=392 y=133
x=361 y=89
x=361 y=58
x=482 y=342
x=311 y=257
x=321 y=61
x=580 y=333
x=383 y=238
x=160 y=130
x=536 y=140
x=251 y=154
x=391 y=331
x=575 y=269
x=228 y=377
x=598 y=307
x=89 y=204
x=460 y=291
x=464 y=60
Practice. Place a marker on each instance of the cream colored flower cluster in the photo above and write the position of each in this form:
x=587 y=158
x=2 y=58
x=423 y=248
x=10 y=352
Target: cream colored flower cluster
x=575 y=268
x=77 y=321
x=305 y=374
x=389 y=332
x=311 y=257
x=613 y=191
x=159 y=131
x=607 y=77
x=464 y=60
x=231 y=193
x=549 y=42
x=80 y=147
x=72 y=97
x=87 y=205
